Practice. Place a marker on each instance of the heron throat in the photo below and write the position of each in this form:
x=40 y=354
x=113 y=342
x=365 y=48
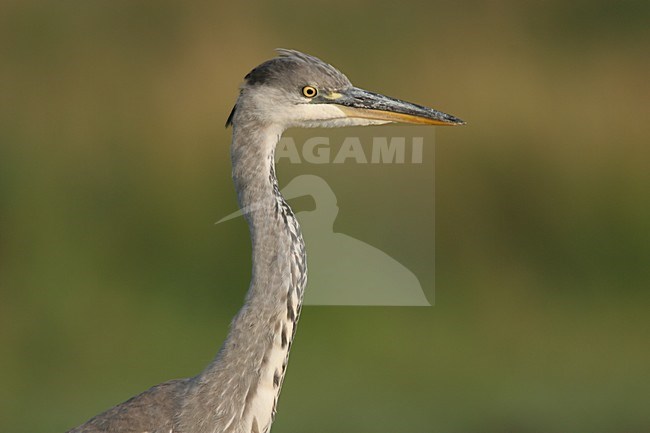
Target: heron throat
x=251 y=364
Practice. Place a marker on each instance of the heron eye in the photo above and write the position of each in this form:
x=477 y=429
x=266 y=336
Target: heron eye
x=309 y=91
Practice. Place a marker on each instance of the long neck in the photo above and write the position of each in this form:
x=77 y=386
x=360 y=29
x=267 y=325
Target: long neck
x=238 y=392
x=279 y=267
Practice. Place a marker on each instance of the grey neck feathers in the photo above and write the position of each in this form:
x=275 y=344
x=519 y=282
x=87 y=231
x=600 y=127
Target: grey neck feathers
x=239 y=390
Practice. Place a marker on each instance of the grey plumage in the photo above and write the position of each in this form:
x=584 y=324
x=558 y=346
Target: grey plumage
x=152 y=411
x=238 y=391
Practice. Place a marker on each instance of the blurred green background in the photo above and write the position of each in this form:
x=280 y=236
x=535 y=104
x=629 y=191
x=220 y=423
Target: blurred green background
x=114 y=166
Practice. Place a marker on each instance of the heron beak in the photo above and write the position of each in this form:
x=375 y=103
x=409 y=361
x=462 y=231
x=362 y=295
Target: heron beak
x=359 y=103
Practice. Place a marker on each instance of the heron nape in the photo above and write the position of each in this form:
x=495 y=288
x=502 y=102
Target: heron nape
x=238 y=391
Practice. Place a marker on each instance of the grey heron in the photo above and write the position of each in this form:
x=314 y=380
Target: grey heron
x=238 y=391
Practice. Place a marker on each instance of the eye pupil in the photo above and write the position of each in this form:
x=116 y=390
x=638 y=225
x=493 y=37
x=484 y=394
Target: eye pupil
x=309 y=91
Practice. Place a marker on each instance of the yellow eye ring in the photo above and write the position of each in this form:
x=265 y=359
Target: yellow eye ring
x=309 y=91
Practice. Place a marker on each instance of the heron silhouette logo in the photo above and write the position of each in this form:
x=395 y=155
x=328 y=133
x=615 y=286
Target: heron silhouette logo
x=344 y=270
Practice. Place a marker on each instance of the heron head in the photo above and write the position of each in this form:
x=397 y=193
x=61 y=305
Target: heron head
x=299 y=90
